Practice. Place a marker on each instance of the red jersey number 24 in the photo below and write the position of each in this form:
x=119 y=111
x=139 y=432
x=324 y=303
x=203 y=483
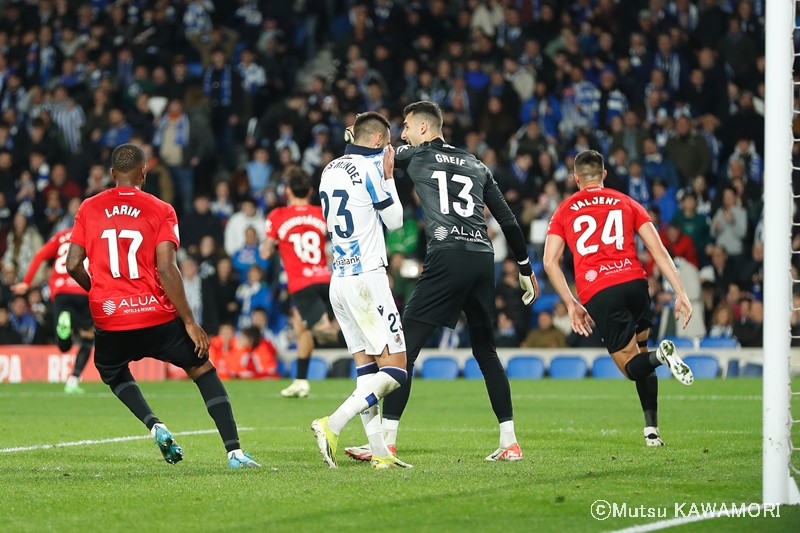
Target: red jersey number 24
x=612 y=232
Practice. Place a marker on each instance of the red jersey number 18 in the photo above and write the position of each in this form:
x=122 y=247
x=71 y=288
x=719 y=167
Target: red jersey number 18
x=113 y=251
x=613 y=224
x=306 y=246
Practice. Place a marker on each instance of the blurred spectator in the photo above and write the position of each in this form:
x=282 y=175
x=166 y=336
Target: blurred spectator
x=223 y=349
x=222 y=85
x=688 y=151
x=561 y=318
x=655 y=166
x=729 y=226
x=505 y=334
x=198 y=223
x=224 y=285
x=678 y=244
x=749 y=328
x=249 y=216
x=61 y=184
x=23 y=321
x=200 y=295
x=693 y=225
x=638 y=186
x=664 y=199
x=252 y=293
x=720 y=272
x=722 y=321
x=248 y=255
x=546 y=335
x=8 y=334
x=259 y=171
x=178 y=150
x=257 y=356
x=221 y=205
x=23 y=242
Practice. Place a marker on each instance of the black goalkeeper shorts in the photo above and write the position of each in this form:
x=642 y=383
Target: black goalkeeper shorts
x=453 y=281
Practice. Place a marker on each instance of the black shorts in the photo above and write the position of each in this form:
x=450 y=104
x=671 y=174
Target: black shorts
x=77 y=305
x=620 y=312
x=454 y=281
x=168 y=342
x=312 y=303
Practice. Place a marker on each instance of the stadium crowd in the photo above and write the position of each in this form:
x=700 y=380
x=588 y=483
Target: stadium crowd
x=227 y=97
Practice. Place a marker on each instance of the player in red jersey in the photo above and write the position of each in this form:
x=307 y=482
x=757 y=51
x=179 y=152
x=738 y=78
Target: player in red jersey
x=599 y=226
x=137 y=299
x=299 y=232
x=70 y=304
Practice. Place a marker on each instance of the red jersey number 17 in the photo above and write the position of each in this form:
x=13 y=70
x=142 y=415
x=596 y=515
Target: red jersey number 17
x=113 y=251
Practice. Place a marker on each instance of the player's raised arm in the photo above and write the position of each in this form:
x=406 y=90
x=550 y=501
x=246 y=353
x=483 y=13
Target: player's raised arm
x=386 y=190
x=75 y=268
x=498 y=206
x=172 y=282
x=665 y=264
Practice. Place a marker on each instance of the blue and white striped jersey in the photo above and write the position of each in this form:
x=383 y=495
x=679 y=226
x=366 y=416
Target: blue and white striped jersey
x=353 y=192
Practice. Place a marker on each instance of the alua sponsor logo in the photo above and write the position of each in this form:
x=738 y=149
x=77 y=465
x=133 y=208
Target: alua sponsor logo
x=461 y=232
x=616 y=265
x=126 y=305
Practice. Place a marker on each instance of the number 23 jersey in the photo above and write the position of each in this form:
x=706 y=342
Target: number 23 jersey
x=599 y=226
x=120 y=229
x=300 y=231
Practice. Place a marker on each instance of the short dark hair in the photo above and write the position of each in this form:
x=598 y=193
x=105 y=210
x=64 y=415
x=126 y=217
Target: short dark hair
x=370 y=123
x=298 y=182
x=253 y=335
x=430 y=111
x=589 y=164
x=127 y=158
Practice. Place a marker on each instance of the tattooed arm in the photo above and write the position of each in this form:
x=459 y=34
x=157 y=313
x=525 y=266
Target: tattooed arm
x=75 y=258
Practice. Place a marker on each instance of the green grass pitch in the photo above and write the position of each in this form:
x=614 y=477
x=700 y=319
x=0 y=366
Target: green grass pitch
x=582 y=441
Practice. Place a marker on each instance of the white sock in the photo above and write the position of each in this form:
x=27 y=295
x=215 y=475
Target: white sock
x=390 y=428
x=507 y=435
x=371 y=420
x=73 y=381
x=156 y=426
x=366 y=394
x=237 y=453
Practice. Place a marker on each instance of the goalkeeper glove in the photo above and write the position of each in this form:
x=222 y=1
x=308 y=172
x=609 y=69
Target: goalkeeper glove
x=531 y=287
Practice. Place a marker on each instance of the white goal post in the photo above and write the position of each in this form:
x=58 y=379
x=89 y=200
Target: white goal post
x=778 y=485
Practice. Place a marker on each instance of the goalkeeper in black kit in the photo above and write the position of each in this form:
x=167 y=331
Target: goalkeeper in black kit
x=453 y=186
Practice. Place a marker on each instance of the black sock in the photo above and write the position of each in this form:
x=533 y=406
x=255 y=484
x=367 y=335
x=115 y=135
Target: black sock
x=302 y=368
x=416 y=333
x=648 y=396
x=485 y=352
x=642 y=365
x=219 y=407
x=127 y=390
x=82 y=357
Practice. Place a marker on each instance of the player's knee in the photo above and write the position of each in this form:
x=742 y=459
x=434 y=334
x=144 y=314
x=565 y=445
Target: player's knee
x=399 y=377
x=628 y=373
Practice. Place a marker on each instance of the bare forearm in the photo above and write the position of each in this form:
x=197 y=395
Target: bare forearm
x=559 y=282
x=75 y=257
x=81 y=277
x=667 y=267
x=173 y=285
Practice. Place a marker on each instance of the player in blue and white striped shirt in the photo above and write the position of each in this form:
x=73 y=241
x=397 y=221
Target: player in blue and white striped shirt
x=358 y=198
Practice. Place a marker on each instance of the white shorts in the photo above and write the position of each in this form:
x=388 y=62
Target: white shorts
x=367 y=314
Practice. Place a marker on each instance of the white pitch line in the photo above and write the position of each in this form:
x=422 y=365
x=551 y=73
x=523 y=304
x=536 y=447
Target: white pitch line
x=673 y=522
x=103 y=441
